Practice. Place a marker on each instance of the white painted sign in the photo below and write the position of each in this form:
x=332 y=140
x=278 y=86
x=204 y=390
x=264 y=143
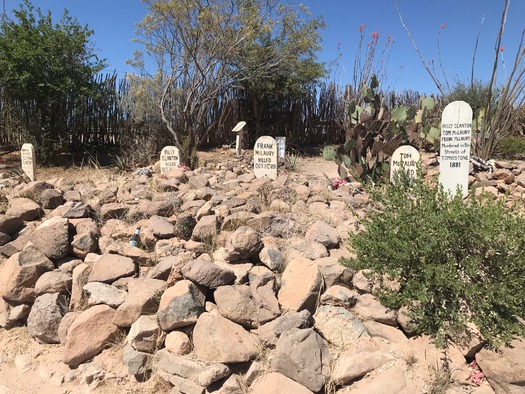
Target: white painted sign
x=169 y=159
x=406 y=157
x=265 y=157
x=27 y=155
x=239 y=129
x=456 y=131
x=281 y=148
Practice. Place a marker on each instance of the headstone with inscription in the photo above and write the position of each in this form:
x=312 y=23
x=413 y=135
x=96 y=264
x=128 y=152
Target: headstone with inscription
x=239 y=129
x=27 y=155
x=405 y=157
x=281 y=148
x=169 y=159
x=265 y=157
x=456 y=130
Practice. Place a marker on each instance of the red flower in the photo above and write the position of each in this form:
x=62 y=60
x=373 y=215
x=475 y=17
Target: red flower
x=443 y=25
x=501 y=49
x=361 y=28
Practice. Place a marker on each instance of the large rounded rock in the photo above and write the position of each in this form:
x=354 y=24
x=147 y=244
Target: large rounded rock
x=111 y=267
x=243 y=243
x=24 y=208
x=45 y=317
x=216 y=338
x=52 y=237
x=89 y=334
x=20 y=272
x=207 y=273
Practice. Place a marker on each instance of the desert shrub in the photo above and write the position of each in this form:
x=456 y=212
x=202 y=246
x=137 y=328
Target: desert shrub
x=329 y=153
x=455 y=260
x=511 y=148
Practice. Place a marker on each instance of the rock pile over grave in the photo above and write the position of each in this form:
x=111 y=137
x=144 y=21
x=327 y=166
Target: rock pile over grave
x=235 y=285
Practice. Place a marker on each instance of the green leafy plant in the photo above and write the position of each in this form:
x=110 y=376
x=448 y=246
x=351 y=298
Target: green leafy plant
x=456 y=261
x=329 y=153
x=511 y=148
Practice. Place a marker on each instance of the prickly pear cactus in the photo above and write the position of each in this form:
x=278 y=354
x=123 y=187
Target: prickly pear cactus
x=373 y=134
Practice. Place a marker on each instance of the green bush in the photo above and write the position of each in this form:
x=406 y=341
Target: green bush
x=511 y=148
x=329 y=153
x=455 y=260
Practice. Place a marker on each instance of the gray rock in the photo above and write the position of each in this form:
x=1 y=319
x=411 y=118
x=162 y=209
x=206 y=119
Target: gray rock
x=270 y=332
x=135 y=361
x=45 y=316
x=302 y=355
x=102 y=293
x=205 y=229
x=145 y=334
x=201 y=373
x=10 y=225
x=180 y=305
x=338 y=326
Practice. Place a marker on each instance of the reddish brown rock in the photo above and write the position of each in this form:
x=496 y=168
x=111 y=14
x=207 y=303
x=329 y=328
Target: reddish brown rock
x=216 y=338
x=20 y=272
x=301 y=283
x=111 y=267
x=275 y=382
x=89 y=334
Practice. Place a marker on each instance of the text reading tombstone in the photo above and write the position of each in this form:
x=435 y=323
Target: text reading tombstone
x=406 y=157
x=169 y=159
x=27 y=155
x=265 y=157
x=456 y=131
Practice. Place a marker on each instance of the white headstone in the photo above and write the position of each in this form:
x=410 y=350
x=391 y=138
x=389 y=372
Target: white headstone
x=169 y=159
x=27 y=155
x=239 y=129
x=265 y=157
x=281 y=148
x=406 y=157
x=456 y=130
